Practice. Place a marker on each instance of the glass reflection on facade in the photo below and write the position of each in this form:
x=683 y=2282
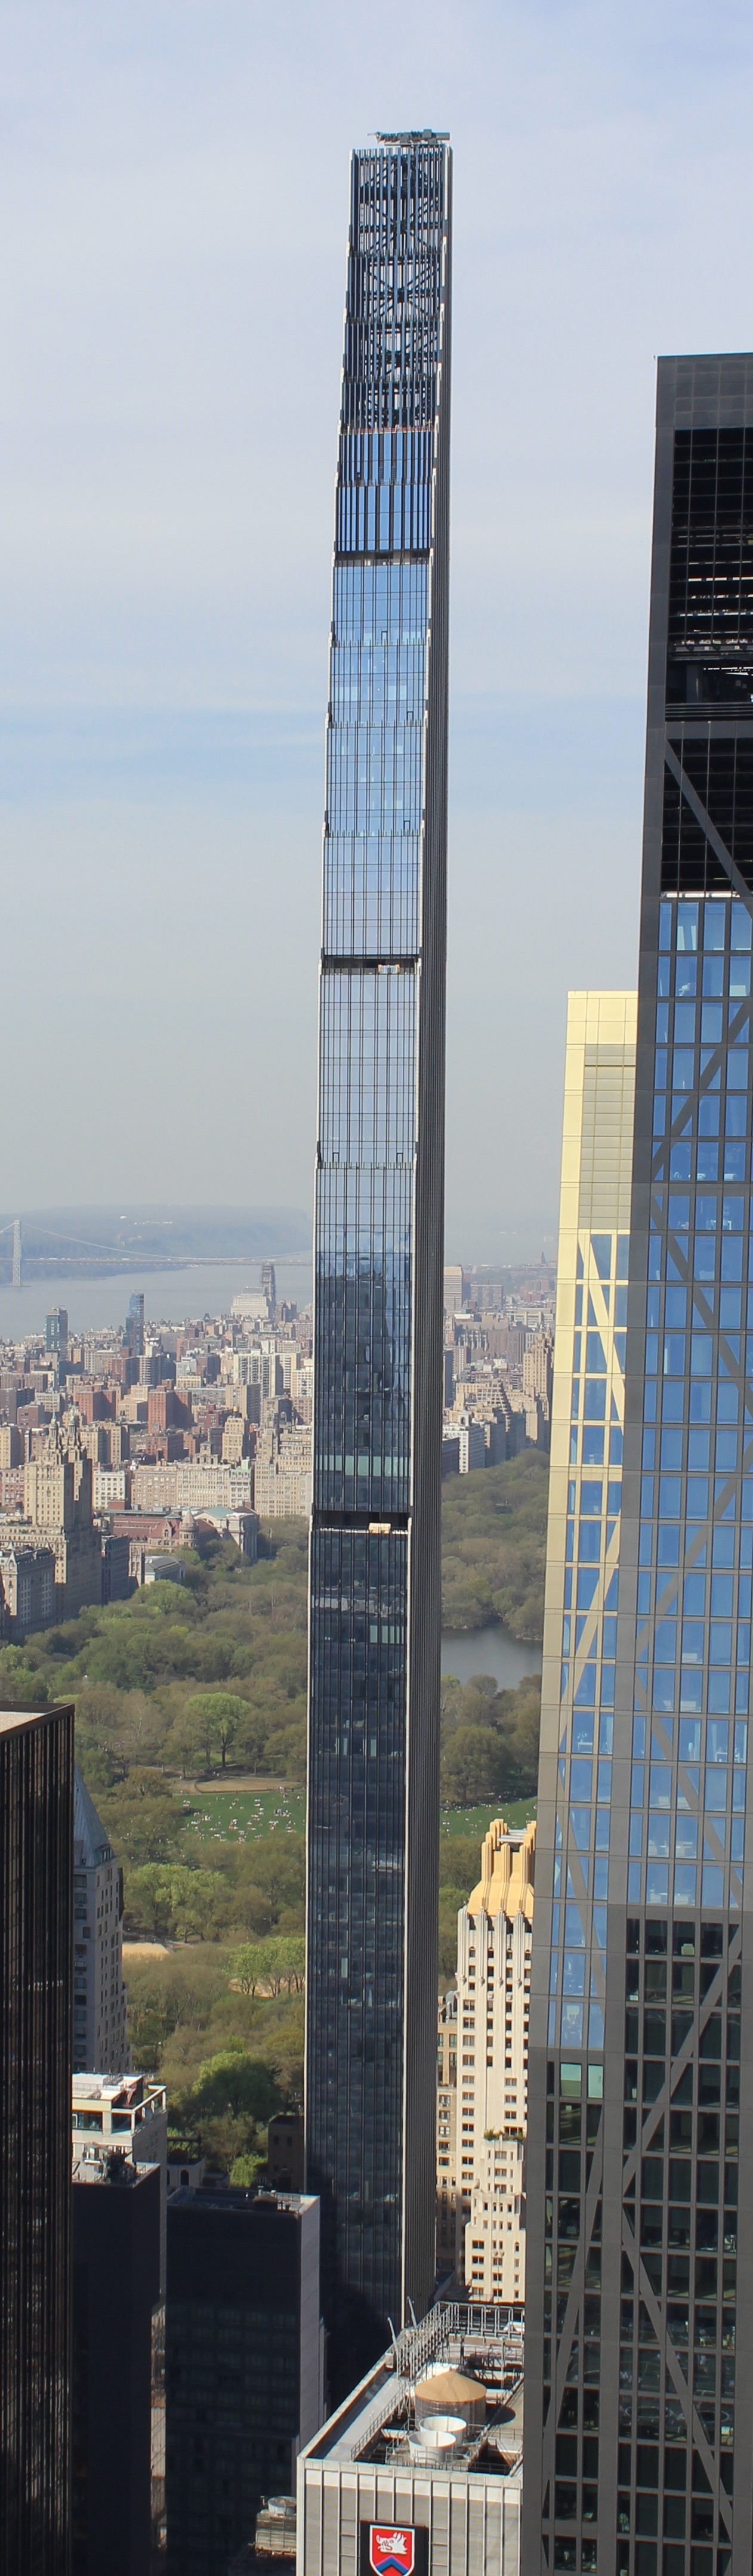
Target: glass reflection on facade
x=375 y=1572
x=640 y=2210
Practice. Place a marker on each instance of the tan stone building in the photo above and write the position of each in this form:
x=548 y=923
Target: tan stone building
x=491 y=2081
x=58 y=1503
x=538 y=1367
x=447 y=2106
x=283 y=1474
x=27 y=1582
x=234 y=1440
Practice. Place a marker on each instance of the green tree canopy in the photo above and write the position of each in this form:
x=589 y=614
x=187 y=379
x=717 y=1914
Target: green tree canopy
x=217 y=1716
x=234 y=2084
x=273 y=1964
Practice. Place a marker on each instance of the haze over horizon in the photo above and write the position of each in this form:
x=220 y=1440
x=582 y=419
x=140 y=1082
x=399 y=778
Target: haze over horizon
x=174 y=190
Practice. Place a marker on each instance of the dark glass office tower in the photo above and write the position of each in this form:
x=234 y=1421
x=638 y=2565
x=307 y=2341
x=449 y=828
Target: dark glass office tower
x=375 y=1537
x=639 y=2389
x=243 y=2375
x=36 y=1999
x=116 y=2288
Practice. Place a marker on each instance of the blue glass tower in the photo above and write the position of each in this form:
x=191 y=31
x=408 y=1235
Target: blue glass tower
x=639 y=2370
x=375 y=1536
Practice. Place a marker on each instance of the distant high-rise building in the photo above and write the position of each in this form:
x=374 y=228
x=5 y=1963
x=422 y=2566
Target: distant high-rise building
x=116 y=2257
x=11 y=1448
x=639 y=2344
x=56 y=1332
x=375 y=1542
x=243 y=2364
x=269 y=1284
x=471 y=1444
x=36 y=1850
x=58 y=1503
x=100 y=2003
x=134 y=1328
x=537 y=1368
x=282 y=1473
x=453 y=1287
x=27 y=1583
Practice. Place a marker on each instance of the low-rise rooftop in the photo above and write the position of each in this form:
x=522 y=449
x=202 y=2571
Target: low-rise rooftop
x=109 y=2103
x=448 y=2396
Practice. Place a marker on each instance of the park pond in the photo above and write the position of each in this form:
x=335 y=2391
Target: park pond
x=489 y=1650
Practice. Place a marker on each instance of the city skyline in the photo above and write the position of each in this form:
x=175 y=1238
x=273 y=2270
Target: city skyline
x=233 y=1534
x=374 y=1599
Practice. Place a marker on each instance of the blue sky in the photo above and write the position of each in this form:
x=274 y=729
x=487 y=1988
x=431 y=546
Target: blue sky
x=173 y=201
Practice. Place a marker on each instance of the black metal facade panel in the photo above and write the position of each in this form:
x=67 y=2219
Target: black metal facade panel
x=36 y=1928
x=639 y=2368
x=375 y=1549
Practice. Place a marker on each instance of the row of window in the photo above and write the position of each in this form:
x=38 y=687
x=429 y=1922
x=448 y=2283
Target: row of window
x=700 y=1161
x=706 y=1022
x=719 y=1744
x=721 y=924
x=711 y=1886
x=689 y=1445
x=709 y=979
x=660 y=1836
x=719 y=1693
x=685 y=1067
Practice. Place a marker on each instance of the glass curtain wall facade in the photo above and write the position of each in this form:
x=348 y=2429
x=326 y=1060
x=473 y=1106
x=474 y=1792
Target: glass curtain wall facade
x=375 y=1536
x=640 y=2322
x=36 y=2046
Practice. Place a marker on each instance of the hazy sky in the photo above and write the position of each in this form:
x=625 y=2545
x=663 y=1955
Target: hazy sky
x=173 y=212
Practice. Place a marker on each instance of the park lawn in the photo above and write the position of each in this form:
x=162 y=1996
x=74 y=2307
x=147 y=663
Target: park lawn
x=240 y=1815
x=245 y=1815
x=469 y=1823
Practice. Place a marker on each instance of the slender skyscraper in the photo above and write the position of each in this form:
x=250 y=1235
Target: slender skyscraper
x=639 y=2387
x=375 y=1537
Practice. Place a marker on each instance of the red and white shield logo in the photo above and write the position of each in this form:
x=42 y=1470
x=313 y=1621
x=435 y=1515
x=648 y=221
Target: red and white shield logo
x=391 y=2552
